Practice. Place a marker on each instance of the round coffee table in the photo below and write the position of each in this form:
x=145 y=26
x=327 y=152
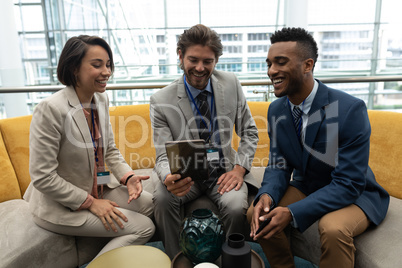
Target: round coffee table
x=136 y=256
x=181 y=261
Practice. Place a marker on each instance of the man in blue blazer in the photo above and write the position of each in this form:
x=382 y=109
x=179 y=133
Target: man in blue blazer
x=318 y=164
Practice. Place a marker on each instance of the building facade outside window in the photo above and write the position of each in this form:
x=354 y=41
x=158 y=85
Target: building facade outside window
x=144 y=36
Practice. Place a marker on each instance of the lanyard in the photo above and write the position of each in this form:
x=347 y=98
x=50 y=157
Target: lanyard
x=301 y=116
x=95 y=151
x=198 y=110
x=92 y=134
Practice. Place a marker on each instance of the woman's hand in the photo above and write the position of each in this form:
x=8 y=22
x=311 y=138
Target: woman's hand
x=134 y=187
x=107 y=212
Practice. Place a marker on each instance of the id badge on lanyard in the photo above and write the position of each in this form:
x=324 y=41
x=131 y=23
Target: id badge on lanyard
x=103 y=177
x=212 y=153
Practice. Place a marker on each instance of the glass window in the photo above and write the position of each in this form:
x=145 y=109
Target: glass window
x=161 y=50
x=229 y=64
x=160 y=39
x=26 y=1
x=230 y=37
x=32 y=18
x=162 y=67
x=257 y=64
x=258 y=36
x=228 y=13
x=341 y=11
x=83 y=15
x=257 y=49
x=232 y=49
x=143 y=34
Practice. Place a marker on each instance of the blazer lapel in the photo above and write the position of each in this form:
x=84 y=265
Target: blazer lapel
x=316 y=116
x=79 y=118
x=184 y=104
x=289 y=129
x=101 y=108
x=219 y=99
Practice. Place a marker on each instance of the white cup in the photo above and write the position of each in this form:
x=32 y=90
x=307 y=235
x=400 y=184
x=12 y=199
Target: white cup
x=206 y=265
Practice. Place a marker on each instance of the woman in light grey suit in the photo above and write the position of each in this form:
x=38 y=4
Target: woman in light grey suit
x=71 y=143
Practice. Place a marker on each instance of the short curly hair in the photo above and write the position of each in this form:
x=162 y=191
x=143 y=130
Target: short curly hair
x=306 y=43
x=72 y=54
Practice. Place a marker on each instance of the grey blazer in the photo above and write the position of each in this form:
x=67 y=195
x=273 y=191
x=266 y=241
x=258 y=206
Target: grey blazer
x=173 y=119
x=62 y=158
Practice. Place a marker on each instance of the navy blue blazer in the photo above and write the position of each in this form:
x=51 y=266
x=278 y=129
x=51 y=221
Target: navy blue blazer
x=332 y=167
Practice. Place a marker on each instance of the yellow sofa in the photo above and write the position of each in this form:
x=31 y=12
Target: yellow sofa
x=24 y=244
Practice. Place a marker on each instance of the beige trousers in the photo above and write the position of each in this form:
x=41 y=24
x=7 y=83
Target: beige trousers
x=336 y=230
x=137 y=230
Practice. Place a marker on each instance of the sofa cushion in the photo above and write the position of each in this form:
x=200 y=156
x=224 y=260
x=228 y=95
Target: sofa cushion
x=15 y=133
x=131 y=125
x=259 y=110
x=385 y=150
x=24 y=243
x=9 y=187
x=377 y=247
x=381 y=247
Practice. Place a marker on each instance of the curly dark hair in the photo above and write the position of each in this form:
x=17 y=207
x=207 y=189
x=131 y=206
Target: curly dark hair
x=72 y=54
x=306 y=43
x=200 y=35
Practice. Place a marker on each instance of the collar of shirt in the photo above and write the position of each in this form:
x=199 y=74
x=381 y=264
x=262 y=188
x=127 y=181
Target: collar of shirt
x=194 y=91
x=305 y=106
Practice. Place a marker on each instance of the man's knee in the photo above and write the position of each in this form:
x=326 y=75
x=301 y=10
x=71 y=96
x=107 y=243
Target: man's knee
x=235 y=206
x=163 y=199
x=250 y=214
x=234 y=211
x=331 y=232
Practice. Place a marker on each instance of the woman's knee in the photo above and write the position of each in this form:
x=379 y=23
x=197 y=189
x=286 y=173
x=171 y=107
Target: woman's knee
x=149 y=229
x=147 y=205
x=142 y=226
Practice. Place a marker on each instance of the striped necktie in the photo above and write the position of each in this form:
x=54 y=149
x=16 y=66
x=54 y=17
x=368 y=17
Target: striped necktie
x=297 y=121
x=205 y=113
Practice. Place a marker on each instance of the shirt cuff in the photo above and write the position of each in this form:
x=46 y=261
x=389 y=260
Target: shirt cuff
x=87 y=203
x=293 y=222
x=124 y=178
x=164 y=177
